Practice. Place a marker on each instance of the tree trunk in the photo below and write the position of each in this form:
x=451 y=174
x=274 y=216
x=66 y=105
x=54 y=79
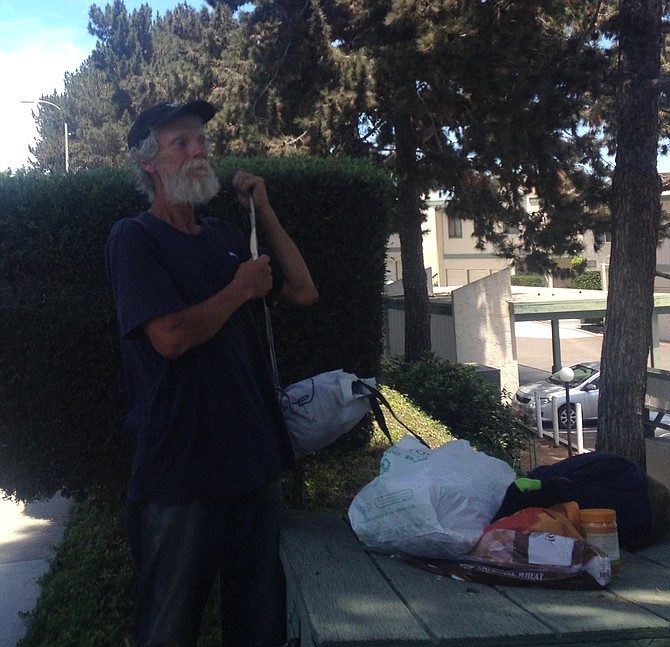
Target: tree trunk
x=410 y=219
x=636 y=214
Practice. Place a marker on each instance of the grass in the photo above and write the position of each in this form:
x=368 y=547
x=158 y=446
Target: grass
x=87 y=595
x=332 y=479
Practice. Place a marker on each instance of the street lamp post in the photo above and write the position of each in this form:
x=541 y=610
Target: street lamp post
x=566 y=375
x=65 y=133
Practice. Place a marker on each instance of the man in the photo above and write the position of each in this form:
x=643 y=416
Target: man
x=204 y=492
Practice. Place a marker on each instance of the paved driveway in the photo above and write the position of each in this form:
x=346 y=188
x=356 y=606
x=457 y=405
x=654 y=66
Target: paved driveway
x=534 y=352
x=535 y=358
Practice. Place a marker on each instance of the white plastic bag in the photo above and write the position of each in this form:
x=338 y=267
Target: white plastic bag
x=322 y=408
x=430 y=503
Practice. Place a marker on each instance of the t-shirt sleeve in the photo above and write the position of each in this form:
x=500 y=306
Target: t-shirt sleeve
x=141 y=285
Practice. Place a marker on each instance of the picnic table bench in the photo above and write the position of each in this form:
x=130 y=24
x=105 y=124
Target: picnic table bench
x=340 y=595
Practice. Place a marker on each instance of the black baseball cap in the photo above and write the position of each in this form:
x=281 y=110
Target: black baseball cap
x=162 y=113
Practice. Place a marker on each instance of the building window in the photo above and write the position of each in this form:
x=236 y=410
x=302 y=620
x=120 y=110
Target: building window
x=455 y=226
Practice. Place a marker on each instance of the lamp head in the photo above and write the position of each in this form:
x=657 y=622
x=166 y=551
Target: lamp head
x=566 y=374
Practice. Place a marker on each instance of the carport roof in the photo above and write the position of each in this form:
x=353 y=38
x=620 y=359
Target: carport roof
x=538 y=304
x=547 y=304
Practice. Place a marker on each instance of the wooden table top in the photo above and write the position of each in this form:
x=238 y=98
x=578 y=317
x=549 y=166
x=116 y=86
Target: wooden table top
x=340 y=595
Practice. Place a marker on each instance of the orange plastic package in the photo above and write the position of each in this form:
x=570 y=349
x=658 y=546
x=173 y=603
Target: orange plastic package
x=534 y=546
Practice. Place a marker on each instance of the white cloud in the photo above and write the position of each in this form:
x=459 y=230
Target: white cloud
x=27 y=74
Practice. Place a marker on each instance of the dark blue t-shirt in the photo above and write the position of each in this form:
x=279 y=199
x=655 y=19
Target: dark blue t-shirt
x=207 y=423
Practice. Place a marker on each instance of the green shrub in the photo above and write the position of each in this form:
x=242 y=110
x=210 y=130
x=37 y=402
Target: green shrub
x=467 y=404
x=578 y=265
x=62 y=389
x=87 y=595
x=528 y=280
x=587 y=281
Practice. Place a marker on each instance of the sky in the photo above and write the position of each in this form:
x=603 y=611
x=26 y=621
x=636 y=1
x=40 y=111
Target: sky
x=41 y=40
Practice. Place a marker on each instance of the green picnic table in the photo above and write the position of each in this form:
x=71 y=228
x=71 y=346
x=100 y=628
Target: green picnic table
x=340 y=595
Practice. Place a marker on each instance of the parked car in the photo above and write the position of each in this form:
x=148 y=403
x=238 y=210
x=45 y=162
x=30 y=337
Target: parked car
x=584 y=388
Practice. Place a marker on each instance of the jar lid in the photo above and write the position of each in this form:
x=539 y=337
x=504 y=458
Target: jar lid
x=598 y=515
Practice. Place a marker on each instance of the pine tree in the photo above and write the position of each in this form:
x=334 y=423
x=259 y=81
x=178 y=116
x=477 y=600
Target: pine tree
x=282 y=67
x=636 y=211
x=123 y=50
x=530 y=119
x=98 y=98
x=485 y=100
x=49 y=149
x=137 y=61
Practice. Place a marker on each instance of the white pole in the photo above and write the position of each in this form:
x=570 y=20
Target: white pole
x=67 y=148
x=554 y=419
x=538 y=414
x=579 y=428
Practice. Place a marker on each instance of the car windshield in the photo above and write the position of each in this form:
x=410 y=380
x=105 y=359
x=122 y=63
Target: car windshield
x=582 y=373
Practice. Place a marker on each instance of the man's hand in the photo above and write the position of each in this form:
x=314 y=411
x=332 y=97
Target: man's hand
x=246 y=184
x=298 y=286
x=254 y=277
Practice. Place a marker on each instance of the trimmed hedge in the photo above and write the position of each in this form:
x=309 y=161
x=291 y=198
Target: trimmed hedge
x=62 y=391
x=587 y=281
x=528 y=280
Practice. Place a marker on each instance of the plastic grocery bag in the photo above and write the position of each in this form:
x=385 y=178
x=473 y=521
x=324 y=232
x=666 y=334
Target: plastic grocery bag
x=430 y=503
x=322 y=408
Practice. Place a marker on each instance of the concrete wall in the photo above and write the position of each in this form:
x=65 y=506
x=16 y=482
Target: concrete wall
x=658 y=449
x=664 y=327
x=483 y=327
x=474 y=327
x=442 y=336
x=658 y=459
x=658 y=389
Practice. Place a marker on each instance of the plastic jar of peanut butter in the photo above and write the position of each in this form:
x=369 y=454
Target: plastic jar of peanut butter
x=600 y=530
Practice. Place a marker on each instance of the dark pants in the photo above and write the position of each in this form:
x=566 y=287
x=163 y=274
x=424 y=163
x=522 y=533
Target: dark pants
x=180 y=549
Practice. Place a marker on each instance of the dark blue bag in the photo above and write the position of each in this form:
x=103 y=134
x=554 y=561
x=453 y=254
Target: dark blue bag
x=593 y=480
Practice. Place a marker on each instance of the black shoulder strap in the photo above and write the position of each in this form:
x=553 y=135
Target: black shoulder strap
x=376 y=399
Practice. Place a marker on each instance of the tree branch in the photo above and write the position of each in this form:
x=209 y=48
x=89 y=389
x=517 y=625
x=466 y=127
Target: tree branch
x=290 y=142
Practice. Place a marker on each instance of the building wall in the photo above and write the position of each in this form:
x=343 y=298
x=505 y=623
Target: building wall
x=663 y=265
x=393 y=259
x=458 y=262
x=452 y=260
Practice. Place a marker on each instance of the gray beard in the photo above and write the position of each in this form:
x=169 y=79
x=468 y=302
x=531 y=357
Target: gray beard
x=194 y=191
